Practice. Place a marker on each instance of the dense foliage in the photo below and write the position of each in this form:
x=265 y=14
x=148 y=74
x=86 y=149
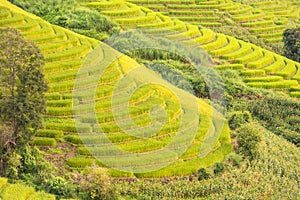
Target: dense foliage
x=291 y=38
x=184 y=67
x=22 y=100
x=280 y=115
x=275 y=175
x=71 y=15
x=248 y=140
x=275 y=111
x=265 y=166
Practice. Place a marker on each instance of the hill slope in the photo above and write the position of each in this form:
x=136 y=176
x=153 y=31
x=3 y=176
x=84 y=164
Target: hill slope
x=65 y=52
x=265 y=19
x=260 y=67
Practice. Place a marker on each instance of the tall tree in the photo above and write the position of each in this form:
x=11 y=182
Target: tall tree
x=22 y=100
x=291 y=39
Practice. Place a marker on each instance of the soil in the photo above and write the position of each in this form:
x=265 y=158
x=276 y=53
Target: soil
x=59 y=159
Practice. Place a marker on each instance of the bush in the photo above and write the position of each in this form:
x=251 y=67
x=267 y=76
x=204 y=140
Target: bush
x=218 y=168
x=13 y=166
x=292 y=43
x=235 y=159
x=248 y=139
x=203 y=174
x=238 y=118
x=94 y=183
x=61 y=187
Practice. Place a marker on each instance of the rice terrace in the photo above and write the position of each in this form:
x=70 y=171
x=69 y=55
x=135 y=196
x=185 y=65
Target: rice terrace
x=149 y=99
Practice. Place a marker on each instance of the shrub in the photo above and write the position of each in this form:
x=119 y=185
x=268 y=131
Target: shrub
x=95 y=183
x=235 y=159
x=292 y=44
x=13 y=166
x=60 y=187
x=238 y=118
x=203 y=174
x=248 y=139
x=218 y=168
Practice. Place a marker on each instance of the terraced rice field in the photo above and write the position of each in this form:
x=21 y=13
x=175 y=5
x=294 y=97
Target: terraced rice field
x=65 y=52
x=265 y=19
x=21 y=192
x=232 y=53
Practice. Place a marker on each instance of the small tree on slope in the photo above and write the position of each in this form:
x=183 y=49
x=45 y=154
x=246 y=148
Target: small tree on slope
x=22 y=88
x=291 y=39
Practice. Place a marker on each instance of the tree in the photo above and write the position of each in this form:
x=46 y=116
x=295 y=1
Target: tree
x=248 y=139
x=22 y=100
x=291 y=39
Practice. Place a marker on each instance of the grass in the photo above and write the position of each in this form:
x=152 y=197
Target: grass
x=42 y=141
x=21 y=192
x=16 y=192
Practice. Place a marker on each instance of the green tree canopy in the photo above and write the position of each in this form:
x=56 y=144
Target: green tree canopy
x=22 y=100
x=291 y=38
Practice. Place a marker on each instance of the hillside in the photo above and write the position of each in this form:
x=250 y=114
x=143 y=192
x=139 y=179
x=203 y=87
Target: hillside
x=266 y=19
x=275 y=175
x=167 y=106
x=65 y=52
x=259 y=67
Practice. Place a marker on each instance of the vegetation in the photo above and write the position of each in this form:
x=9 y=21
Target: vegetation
x=224 y=49
x=22 y=96
x=273 y=174
x=59 y=111
x=144 y=106
x=292 y=44
x=71 y=15
x=248 y=139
